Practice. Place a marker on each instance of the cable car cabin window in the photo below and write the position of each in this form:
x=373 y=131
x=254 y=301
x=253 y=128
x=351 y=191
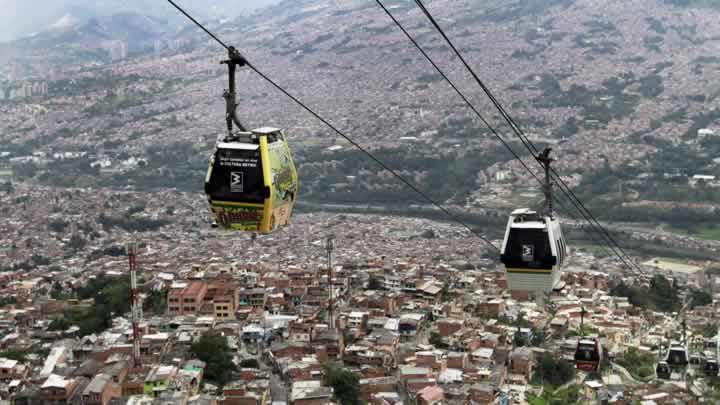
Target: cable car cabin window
x=587 y=352
x=677 y=357
x=528 y=248
x=237 y=176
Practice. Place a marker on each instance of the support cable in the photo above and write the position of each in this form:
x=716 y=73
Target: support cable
x=398 y=176
x=531 y=148
x=496 y=134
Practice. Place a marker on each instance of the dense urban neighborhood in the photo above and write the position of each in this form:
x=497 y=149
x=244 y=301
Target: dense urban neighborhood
x=400 y=310
x=117 y=288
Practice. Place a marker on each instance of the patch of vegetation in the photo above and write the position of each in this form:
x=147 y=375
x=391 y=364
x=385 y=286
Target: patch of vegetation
x=651 y=86
x=553 y=370
x=13 y=355
x=653 y=43
x=707 y=60
x=131 y=223
x=374 y=283
x=569 y=395
x=110 y=298
x=214 y=350
x=656 y=25
x=5 y=301
x=640 y=364
x=57 y=225
x=345 y=385
x=660 y=296
x=437 y=340
x=250 y=363
x=700 y=298
x=60 y=324
x=156 y=302
x=610 y=102
x=594 y=46
x=441 y=175
x=598 y=27
x=515 y=11
x=40 y=260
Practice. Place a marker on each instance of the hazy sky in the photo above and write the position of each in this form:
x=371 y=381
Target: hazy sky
x=21 y=17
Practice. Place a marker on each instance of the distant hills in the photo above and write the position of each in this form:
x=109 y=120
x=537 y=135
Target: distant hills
x=136 y=29
x=619 y=89
x=22 y=19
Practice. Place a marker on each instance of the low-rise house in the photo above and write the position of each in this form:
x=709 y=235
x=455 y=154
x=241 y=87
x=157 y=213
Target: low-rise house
x=430 y=395
x=159 y=379
x=310 y=393
x=101 y=390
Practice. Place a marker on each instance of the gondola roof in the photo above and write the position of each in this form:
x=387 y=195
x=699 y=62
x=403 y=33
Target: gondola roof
x=266 y=130
x=238 y=146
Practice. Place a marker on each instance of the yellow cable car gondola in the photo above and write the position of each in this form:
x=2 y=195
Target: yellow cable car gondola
x=251 y=182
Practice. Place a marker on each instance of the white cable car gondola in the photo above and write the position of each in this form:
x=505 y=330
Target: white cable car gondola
x=677 y=356
x=711 y=368
x=534 y=249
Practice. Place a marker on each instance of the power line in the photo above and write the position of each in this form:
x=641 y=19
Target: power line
x=343 y=135
x=528 y=144
x=465 y=99
x=489 y=126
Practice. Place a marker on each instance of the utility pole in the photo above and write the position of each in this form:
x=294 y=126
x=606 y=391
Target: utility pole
x=135 y=307
x=329 y=247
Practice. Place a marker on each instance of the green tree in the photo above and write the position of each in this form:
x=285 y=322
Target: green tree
x=437 y=340
x=40 y=260
x=553 y=370
x=637 y=362
x=56 y=292
x=13 y=354
x=709 y=330
x=569 y=395
x=375 y=284
x=661 y=296
x=250 y=363
x=110 y=296
x=700 y=298
x=345 y=385
x=519 y=340
x=213 y=349
x=57 y=225
x=76 y=242
x=59 y=324
x=538 y=337
x=5 y=301
x=445 y=293
x=156 y=301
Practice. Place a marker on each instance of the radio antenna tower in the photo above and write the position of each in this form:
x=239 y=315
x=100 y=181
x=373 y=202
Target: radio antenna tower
x=329 y=246
x=132 y=250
